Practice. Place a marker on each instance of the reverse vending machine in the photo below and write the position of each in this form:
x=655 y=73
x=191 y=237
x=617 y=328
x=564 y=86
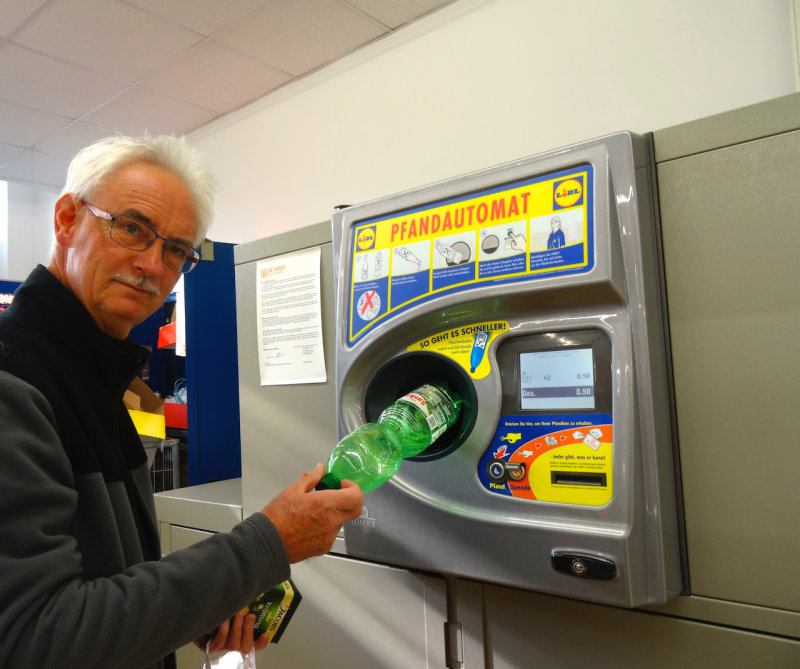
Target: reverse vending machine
x=535 y=290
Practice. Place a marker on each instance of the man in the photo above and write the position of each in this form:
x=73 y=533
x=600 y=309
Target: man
x=556 y=239
x=81 y=579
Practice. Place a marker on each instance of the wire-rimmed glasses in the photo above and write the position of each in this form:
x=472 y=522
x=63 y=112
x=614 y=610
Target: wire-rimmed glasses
x=136 y=235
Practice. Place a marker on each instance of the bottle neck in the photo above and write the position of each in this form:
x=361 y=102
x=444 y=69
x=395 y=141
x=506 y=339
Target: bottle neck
x=328 y=482
x=393 y=428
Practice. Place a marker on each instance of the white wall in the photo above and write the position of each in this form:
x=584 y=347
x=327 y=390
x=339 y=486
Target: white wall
x=29 y=232
x=3 y=229
x=478 y=83
x=482 y=82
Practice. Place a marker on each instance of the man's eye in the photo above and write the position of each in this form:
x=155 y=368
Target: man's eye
x=177 y=251
x=131 y=227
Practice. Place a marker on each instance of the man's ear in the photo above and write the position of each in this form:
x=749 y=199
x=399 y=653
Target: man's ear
x=65 y=219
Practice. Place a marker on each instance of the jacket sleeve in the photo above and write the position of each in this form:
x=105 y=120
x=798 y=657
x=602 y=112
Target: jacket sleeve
x=50 y=616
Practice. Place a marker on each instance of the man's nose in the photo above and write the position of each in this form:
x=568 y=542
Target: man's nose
x=149 y=260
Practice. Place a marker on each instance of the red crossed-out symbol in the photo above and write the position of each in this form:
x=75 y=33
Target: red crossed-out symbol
x=367 y=301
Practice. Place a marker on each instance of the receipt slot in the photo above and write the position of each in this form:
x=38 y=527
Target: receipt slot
x=535 y=289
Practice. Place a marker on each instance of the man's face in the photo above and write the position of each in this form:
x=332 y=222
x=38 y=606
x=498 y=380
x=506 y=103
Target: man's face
x=119 y=287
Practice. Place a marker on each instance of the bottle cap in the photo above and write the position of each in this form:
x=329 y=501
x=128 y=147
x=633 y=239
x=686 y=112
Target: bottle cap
x=328 y=482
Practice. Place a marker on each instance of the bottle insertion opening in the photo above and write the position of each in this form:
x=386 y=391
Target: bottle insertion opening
x=372 y=453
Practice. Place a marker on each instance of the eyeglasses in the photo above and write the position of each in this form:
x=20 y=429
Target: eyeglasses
x=136 y=235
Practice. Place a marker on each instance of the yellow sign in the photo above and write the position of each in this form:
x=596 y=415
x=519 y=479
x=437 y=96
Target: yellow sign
x=520 y=231
x=574 y=474
x=559 y=458
x=466 y=345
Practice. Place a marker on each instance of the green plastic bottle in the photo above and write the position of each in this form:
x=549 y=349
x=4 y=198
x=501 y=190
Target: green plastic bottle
x=373 y=452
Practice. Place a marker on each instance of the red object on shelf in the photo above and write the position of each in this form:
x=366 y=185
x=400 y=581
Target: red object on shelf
x=175 y=415
x=167 y=335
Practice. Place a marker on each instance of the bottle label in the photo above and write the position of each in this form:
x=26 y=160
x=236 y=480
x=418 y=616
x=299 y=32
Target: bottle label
x=435 y=409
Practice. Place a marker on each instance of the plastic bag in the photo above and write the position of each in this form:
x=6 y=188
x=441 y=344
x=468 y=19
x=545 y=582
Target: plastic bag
x=231 y=660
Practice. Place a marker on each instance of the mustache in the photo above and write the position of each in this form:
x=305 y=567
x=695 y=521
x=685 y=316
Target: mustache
x=142 y=283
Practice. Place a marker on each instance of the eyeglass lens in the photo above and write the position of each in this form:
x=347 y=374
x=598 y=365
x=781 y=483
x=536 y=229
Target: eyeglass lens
x=135 y=235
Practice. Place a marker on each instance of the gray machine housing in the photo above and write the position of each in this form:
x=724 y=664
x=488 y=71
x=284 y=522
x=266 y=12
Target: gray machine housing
x=433 y=515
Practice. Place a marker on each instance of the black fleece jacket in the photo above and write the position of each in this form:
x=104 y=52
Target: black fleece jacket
x=81 y=583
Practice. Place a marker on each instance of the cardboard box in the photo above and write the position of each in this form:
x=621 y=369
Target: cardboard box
x=146 y=409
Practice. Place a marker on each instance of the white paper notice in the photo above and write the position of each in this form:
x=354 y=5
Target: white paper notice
x=290 y=319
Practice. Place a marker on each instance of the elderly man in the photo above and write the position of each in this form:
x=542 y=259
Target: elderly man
x=82 y=583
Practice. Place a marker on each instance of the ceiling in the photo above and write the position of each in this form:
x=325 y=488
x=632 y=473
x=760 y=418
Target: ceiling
x=72 y=71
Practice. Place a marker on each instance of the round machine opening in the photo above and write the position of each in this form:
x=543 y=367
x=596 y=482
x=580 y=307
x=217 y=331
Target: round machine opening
x=409 y=371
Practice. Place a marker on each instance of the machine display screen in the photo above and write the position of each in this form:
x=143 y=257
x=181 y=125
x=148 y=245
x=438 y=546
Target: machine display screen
x=557 y=380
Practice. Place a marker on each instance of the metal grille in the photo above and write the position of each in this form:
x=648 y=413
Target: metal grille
x=163 y=457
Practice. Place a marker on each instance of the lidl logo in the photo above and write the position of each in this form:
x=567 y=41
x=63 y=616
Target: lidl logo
x=366 y=238
x=568 y=193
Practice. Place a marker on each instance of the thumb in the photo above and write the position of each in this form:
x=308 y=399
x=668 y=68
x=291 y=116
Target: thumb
x=310 y=479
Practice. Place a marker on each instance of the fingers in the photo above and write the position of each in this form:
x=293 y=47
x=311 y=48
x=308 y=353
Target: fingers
x=218 y=642
x=261 y=642
x=247 y=633
x=308 y=520
x=310 y=479
x=234 y=641
x=349 y=500
x=236 y=634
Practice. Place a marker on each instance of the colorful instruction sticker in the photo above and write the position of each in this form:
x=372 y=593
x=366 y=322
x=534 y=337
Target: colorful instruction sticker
x=466 y=345
x=530 y=229
x=566 y=459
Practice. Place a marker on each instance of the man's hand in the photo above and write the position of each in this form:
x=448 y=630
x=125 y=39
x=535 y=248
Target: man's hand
x=234 y=634
x=307 y=519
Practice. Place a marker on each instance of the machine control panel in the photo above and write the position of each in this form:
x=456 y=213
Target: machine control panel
x=554 y=440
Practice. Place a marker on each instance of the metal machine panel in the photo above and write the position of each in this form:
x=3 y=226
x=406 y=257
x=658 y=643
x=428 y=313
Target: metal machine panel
x=285 y=429
x=731 y=236
x=393 y=618
x=526 y=629
x=564 y=486
x=359 y=614
x=404 y=635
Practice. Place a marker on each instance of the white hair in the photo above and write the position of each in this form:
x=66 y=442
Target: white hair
x=94 y=164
